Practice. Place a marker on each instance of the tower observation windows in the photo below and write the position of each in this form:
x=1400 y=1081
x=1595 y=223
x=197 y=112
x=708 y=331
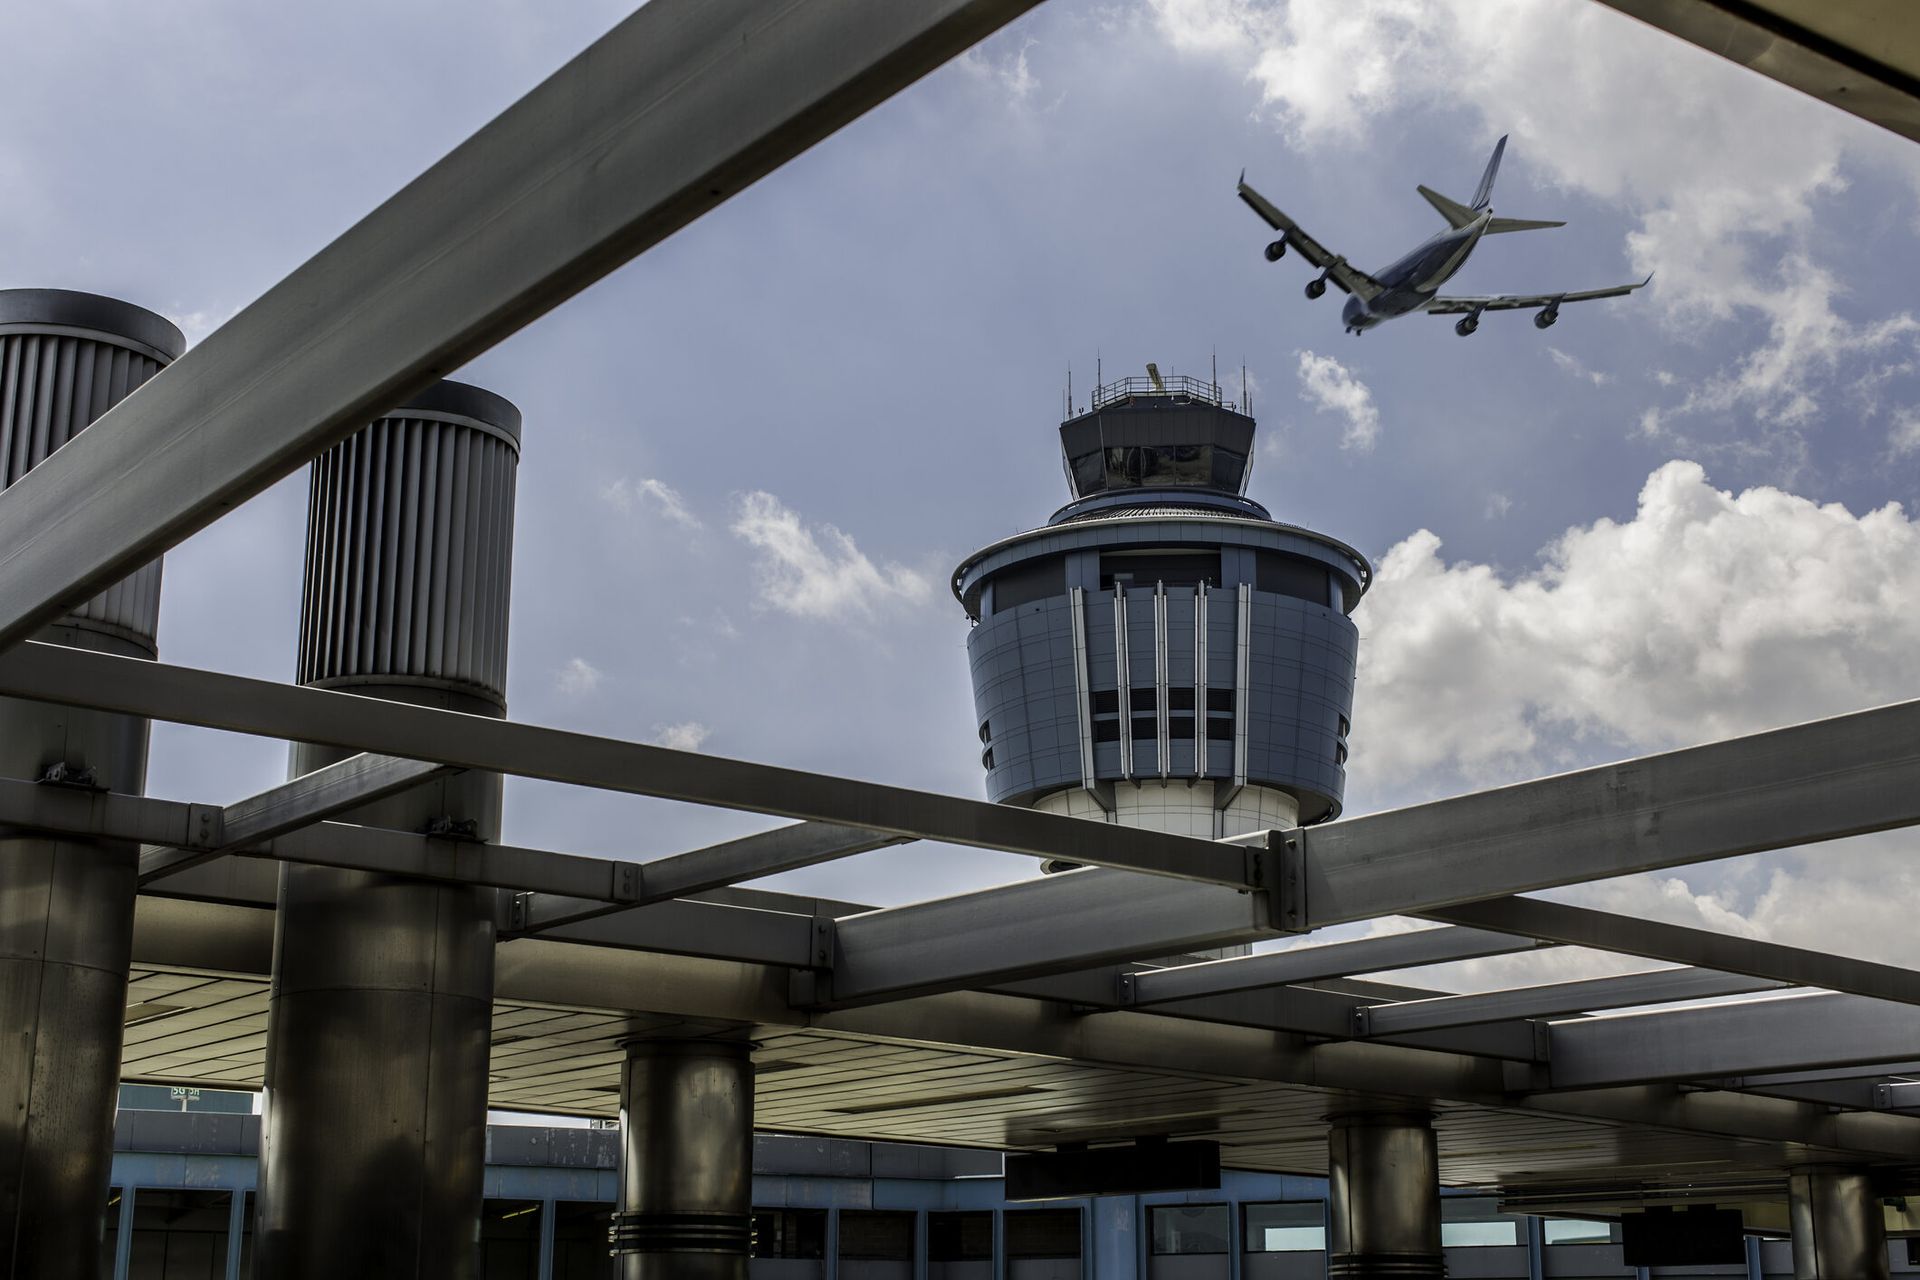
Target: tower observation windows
x=1186 y=569
x=1157 y=466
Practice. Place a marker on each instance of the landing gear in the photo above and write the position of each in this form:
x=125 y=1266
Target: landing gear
x=1316 y=287
x=1466 y=325
x=1277 y=250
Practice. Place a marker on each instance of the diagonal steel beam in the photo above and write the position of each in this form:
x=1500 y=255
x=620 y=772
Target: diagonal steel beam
x=1655 y=940
x=1331 y=960
x=75 y=677
x=1589 y=995
x=309 y=798
x=680 y=106
x=1817 y=781
x=681 y=875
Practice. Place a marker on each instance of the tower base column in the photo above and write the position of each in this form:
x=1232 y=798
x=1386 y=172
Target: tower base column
x=1839 y=1231
x=686 y=1161
x=1383 y=1196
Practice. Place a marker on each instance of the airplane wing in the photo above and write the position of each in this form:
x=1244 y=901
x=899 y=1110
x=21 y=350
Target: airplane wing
x=1523 y=301
x=1338 y=269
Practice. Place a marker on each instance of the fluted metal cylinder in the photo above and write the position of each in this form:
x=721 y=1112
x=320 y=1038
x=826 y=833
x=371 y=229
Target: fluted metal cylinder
x=686 y=1161
x=1839 y=1228
x=1383 y=1196
x=373 y=1146
x=66 y=906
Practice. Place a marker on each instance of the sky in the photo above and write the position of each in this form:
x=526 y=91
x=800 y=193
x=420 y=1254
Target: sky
x=753 y=456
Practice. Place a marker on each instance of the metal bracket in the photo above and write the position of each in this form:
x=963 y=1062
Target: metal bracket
x=206 y=826
x=80 y=777
x=1362 y=1024
x=627 y=881
x=1124 y=988
x=448 y=827
x=1283 y=874
x=518 y=906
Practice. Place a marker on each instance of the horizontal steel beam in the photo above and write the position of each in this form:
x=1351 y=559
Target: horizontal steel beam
x=1655 y=940
x=1819 y=781
x=1786 y=1033
x=1317 y=963
x=1589 y=995
x=309 y=798
x=183 y=695
x=680 y=106
x=1073 y=920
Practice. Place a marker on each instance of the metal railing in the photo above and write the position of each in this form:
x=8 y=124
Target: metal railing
x=1176 y=385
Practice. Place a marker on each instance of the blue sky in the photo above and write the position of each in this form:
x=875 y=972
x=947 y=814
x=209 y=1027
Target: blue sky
x=753 y=455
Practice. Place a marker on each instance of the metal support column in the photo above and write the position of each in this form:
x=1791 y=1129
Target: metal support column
x=1839 y=1230
x=1383 y=1196
x=66 y=906
x=686 y=1161
x=373 y=1142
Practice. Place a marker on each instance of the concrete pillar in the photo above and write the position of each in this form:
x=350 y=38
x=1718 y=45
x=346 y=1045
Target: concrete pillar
x=373 y=1145
x=1839 y=1229
x=686 y=1161
x=1383 y=1196
x=66 y=906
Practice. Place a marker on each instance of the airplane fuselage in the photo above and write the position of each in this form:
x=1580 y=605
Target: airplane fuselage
x=1412 y=281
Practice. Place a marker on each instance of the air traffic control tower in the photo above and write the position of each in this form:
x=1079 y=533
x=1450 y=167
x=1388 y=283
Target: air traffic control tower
x=1163 y=653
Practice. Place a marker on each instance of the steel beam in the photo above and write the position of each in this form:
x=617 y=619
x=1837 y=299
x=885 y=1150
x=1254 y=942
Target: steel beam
x=1818 y=781
x=1319 y=963
x=681 y=875
x=183 y=695
x=1788 y=1033
x=680 y=106
x=1554 y=999
x=309 y=798
x=1654 y=940
x=1036 y=927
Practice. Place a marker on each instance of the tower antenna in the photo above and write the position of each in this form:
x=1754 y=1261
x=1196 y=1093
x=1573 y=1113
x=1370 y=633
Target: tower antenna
x=1246 y=405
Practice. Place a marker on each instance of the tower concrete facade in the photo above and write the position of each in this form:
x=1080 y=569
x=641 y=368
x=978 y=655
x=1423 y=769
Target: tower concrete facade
x=1162 y=653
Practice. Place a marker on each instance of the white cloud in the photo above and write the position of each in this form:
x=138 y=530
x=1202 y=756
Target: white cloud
x=1903 y=437
x=1498 y=504
x=688 y=735
x=649 y=492
x=817 y=571
x=1574 y=365
x=577 y=678
x=1707 y=614
x=1722 y=168
x=1331 y=386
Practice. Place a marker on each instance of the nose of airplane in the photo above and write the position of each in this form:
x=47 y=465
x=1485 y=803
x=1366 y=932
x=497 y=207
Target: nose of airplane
x=1355 y=312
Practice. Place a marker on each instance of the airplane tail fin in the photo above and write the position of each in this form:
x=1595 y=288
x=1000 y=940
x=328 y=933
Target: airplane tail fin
x=1483 y=194
x=1456 y=214
x=1496 y=225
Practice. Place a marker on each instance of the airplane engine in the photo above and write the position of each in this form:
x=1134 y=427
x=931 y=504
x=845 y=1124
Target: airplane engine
x=1277 y=250
x=1466 y=325
x=1544 y=319
x=1316 y=287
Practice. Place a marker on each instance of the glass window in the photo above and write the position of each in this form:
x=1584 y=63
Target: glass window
x=1042 y=1233
x=510 y=1240
x=1475 y=1222
x=1089 y=473
x=1198 y=1228
x=179 y=1235
x=875 y=1235
x=580 y=1240
x=1578 y=1231
x=1294 y=1226
x=790 y=1233
x=1229 y=469
x=960 y=1237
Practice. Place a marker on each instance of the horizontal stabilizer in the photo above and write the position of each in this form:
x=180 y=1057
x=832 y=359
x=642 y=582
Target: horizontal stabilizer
x=1496 y=225
x=1456 y=214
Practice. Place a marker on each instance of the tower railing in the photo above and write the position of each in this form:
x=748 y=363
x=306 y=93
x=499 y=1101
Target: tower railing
x=1176 y=386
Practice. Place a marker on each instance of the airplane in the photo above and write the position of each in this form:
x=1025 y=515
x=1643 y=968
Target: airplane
x=1412 y=283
